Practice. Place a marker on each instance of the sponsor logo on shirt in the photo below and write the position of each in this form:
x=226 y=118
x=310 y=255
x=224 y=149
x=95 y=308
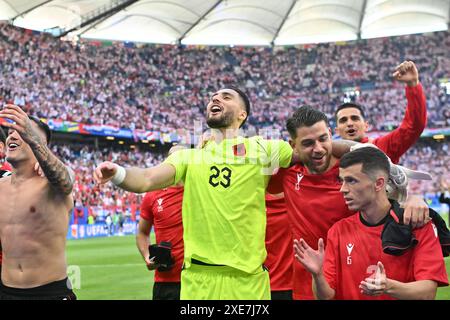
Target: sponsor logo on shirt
x=434 y=229
x=160 y=207
x=350 y=247
x=299 y=179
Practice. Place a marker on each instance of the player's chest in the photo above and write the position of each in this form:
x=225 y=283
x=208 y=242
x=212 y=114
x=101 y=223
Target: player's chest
x=225 y=176
x=31 y=204
x=166 y=211
x=362 y=247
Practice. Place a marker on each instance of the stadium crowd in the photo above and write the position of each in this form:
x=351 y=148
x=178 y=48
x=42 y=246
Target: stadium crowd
x=83 y=159
x=430 y=156
x=162 y=87
x=165 y=88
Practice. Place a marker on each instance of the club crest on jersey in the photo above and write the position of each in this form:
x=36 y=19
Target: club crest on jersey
x=239 y=150
x=160 y=207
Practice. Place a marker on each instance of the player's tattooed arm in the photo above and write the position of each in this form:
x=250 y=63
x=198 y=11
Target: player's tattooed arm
x=60 y=177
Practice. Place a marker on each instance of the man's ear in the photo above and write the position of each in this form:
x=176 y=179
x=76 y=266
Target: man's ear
x=366 y=126
x=292 y=143
x=380 y=183
x=242 y=115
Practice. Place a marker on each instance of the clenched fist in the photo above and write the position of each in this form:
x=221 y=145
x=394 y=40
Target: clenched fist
x=407 y=72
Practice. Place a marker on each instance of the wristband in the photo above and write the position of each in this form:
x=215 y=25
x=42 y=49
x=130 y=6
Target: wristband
x=119 y=176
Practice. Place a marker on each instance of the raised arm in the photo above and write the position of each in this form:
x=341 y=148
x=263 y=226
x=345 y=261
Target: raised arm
x=60 y=177
x=136 y=179
x=398 y=141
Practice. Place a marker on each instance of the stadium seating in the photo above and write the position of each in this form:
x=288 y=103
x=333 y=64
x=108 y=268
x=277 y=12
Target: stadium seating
x=162 y=87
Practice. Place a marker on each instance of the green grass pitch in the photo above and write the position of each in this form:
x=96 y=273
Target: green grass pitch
x=112 y=269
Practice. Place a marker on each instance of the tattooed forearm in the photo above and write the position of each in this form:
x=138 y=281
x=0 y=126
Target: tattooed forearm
x=59 y=176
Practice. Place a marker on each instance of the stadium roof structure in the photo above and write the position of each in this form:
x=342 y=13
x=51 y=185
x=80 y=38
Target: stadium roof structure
x=228 y=22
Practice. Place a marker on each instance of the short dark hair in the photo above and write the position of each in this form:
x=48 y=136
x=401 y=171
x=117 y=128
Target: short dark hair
x=350 y=105
x=246 y=100
x=372 y=160
x=2 y=135
x=305 y=116
x=43 y=126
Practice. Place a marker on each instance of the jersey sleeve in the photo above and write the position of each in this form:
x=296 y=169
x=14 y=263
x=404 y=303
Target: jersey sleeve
x=330 y=259
x=180 y=161
x=280 y=153
x=397 y=142
x=146 y=207
x=429 y=262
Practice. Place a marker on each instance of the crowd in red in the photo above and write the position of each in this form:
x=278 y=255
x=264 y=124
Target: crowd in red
x=164 y=88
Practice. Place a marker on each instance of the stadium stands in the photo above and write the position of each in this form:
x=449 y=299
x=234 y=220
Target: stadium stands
x=162 y=87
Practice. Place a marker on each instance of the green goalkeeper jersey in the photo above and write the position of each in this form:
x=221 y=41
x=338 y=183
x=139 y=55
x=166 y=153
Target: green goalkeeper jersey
x=224 y=217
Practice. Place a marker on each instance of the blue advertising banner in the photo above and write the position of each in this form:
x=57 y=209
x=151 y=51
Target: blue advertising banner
x=83 y=231
x=181 y=135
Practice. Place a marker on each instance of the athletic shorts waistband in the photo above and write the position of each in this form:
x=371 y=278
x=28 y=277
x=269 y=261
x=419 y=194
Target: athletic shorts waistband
x=214 y=268
x=195 y=261
x=56 y=288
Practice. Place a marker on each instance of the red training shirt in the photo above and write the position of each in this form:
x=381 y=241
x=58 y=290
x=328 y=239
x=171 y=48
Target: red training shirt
x=5 y=167
x=314 y=204
x=354 y=249
x=163 y=209
x=280 y=254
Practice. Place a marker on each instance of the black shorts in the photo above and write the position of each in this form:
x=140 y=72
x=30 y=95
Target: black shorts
x=58 y=290
x=166 y=291
x=281 y=295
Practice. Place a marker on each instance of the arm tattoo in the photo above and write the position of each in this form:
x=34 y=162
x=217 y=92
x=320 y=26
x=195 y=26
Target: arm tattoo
x=59 y=176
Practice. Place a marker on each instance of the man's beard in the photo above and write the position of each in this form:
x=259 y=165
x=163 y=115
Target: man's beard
x=314 y=169
x=223 y=121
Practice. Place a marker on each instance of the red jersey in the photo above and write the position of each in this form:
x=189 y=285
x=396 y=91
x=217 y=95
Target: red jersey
x=353 y=250
x=4 y=171
x=163 y=209
x=398 y=141
x=280 y=254
x=314 y=204
x=6 y=166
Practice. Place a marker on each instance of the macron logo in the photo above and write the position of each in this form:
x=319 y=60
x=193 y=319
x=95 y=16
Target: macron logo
x=350 y=248
x=435 y=230
x=160 y=200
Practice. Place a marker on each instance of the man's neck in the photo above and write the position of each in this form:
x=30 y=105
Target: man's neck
x=376 y=211
x=22 y=171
